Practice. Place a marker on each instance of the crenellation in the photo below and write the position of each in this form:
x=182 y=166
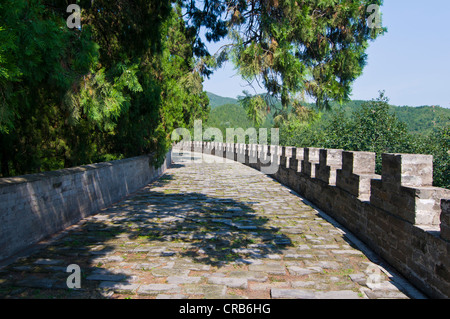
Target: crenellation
x=253 y=154
x=274 y=154
x=225 y=147
x=358 y=169
x=231 y=151
x=330 y=160
x=286 y=155
x=396 y=213
x=445 y=219
x=262 y=155
x=207 y=148
x=295 y=162
x=407 y=170
x=213 y=148
x=310 y=159
x=406 y=190
x=220 y=149
x=241 y=153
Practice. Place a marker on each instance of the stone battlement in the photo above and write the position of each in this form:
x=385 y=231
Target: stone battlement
x=35 y=207
x=399 y=214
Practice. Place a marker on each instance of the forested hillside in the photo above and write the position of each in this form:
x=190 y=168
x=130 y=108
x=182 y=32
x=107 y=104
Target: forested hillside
x=228 y=116
x=374 y=126
x=420 y=120
x=216 y=100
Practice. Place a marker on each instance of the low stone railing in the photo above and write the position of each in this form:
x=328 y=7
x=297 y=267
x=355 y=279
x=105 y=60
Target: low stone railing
x=34 y=207
x=399 y=214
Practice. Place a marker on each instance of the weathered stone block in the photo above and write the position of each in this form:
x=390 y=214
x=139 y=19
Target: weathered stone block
x=310 y=159
x=407 y=170
x=445 y=219
x=295 y=161
x=330 y=161
x=274 y=154
x=286 y=155
x=405 y=189
x=358 y=169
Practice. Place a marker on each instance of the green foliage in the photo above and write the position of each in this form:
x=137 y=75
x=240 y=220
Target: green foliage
x=115 y=88
x=228 y=116
x=437 y=143
x=216 y=100
x=314 y=47
x=423 y=119
x=256 y=108
x=373 y=127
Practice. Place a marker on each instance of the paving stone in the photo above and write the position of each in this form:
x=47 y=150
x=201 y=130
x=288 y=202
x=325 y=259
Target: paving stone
x=323 y=264
x=347 y=252
x=298 y=256
x=57 y=268
x=119 y=287
x=208 y=290
x=146 y=266
x=248 y=261
x=161 y=272
x=155 y=289
x=383 y=294
x=270 y=285
x=109 y=259
x=183 y=280
x=298 y=271
x=272 y=257
x=277 y=293
x=360 y=279
x=48 y=262
x=343 y=294
x=191 y=266
x=174 y=296
x=250 y=275
x=384 y=285
x=22 y=268
x=229 y=282
x=325 y=246
x=270 y=268
x=303 y=284
x=111 y=277
x=35 y=282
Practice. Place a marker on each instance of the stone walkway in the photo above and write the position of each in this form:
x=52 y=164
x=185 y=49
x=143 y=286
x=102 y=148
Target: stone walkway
x=217 y=230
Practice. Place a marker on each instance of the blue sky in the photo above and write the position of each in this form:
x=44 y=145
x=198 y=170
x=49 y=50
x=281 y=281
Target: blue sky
x=411 y=62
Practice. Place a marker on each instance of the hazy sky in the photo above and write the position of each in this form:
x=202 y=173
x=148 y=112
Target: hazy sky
x=411 y=62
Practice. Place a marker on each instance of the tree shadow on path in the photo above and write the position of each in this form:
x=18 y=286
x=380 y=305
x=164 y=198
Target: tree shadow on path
x=215 y=230
x=155 y=223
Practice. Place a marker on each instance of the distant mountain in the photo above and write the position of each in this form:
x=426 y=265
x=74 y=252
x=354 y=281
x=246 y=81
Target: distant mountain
x=216 y=100
x=420 y=119
x=228 y=115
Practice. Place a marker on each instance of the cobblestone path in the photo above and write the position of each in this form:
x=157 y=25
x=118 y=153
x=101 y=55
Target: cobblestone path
x=205 y=231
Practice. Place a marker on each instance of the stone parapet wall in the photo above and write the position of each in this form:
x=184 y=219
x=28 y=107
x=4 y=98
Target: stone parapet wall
x=34 y=207
x=399 y=214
